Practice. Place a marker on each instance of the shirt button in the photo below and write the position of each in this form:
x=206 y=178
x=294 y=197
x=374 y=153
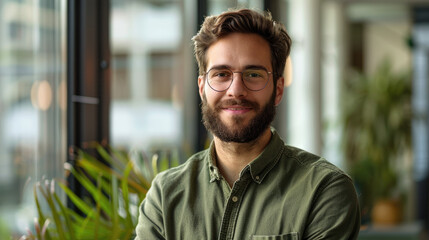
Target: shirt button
x=235 y=199
x=257 y=177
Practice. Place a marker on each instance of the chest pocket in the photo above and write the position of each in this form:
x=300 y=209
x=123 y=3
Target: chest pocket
x=288 y=236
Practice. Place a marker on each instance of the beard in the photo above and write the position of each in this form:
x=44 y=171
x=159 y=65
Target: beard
x=238 y=132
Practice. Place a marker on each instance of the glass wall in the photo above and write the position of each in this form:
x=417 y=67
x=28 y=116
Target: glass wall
x=32 y=104
x=152 y=77
x=219 y=6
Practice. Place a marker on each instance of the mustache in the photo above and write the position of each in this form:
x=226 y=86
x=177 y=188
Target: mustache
x=237 y=102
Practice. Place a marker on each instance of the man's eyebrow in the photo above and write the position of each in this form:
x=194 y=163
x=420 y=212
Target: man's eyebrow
x=255 y=67
x=245 y=67
x=220 y=67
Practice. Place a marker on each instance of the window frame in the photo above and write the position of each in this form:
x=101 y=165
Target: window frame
x=88 y=78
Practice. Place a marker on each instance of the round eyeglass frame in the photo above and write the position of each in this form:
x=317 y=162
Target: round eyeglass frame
x=232 y=76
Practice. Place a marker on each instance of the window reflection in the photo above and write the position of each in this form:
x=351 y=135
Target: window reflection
x=32 y=86
x=219 y=6
x=148 y=76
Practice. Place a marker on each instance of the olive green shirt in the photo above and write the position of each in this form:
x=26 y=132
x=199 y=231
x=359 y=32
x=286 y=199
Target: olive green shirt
x=285 y=193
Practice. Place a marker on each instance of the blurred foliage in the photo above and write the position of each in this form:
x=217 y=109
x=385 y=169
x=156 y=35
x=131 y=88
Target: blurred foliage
x=116 y=184
x=377 y=116
x=4 y=230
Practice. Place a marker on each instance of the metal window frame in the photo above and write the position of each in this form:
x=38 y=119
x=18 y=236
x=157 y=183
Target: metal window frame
x=88 y=77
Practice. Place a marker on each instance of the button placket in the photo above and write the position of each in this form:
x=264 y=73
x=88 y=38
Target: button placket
x=230 y=215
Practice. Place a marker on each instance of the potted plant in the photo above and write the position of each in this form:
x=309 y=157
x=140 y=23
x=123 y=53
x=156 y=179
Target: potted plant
x=377 y=133
x=116 y=185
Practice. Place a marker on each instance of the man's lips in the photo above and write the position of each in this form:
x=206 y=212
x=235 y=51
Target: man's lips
x=237 y=109
x=236 y=106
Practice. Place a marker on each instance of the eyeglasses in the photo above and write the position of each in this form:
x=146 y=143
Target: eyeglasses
x=254 y=79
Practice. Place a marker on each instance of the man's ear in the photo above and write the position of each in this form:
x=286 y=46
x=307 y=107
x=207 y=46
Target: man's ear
x=201 y=83
x=279 y=90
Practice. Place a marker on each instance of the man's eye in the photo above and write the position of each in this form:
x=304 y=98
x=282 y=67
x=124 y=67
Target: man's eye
x=221 y=74
x=253 y=74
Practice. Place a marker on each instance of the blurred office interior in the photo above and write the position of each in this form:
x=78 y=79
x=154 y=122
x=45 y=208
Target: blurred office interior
x=122 y=72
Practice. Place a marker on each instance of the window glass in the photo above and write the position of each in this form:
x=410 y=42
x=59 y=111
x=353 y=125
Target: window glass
x=219 y=6
x=32 y=104
x=151 y=62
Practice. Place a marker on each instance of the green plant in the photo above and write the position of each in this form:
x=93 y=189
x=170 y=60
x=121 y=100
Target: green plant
x=116 y=185
x=377 y=129
x=4 y=230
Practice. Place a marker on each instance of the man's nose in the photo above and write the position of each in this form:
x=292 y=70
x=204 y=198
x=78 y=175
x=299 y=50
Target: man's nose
x=237 y=88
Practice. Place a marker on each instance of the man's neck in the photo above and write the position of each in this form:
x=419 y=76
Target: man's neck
x=233 y=157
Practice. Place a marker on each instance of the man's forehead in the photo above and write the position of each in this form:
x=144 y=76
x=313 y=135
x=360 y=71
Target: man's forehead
x=239 y=50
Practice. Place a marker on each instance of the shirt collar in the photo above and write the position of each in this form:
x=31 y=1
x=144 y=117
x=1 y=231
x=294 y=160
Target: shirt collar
x=262 y=164
x=259 y=167
x=214 y=170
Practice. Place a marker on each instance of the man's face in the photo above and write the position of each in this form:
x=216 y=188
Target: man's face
x=239 y=114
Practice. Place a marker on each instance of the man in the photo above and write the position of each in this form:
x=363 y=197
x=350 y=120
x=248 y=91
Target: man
x=248 y=184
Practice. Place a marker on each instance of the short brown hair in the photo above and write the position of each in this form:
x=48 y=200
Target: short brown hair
x=243 y=21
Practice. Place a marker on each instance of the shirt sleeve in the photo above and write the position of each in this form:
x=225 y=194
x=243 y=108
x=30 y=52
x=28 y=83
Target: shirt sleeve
x=150 y=223
x=335 y=212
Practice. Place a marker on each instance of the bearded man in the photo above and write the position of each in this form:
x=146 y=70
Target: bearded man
x=248 y=184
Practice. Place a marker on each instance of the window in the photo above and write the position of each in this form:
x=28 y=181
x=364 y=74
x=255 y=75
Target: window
x=32 y=105
x=163 y=78
x=151 y=74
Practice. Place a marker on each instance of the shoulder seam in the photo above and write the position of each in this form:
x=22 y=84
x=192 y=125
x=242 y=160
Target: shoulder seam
x=331 y=178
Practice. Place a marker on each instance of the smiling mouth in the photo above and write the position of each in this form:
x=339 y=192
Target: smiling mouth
x=237 y=109
x=237 y=106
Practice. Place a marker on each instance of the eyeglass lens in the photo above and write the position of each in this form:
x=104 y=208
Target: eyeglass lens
x=221 y=79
